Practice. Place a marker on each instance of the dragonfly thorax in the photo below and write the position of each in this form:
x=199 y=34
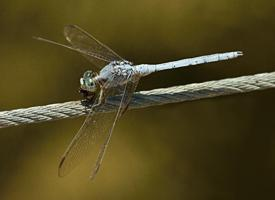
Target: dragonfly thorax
x=87 y=82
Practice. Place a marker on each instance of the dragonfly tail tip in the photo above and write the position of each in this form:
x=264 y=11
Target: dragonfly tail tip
x=239 y=53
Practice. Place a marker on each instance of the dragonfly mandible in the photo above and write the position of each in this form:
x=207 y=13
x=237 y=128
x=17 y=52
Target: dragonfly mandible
x=112 y=75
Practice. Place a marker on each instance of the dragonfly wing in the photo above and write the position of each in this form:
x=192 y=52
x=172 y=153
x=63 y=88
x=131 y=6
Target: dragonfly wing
x=93 y=137
x=126 y=94
x=88 y=139
x=95 y=51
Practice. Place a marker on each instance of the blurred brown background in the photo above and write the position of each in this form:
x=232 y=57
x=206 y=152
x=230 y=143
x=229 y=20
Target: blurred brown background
x=220 y=148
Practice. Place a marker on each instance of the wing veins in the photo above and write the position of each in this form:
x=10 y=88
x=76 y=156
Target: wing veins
x=125 y=100
x=84 y=53
x=85 y=33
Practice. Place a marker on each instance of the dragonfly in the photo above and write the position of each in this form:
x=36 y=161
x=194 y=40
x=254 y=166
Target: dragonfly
x=111 y=75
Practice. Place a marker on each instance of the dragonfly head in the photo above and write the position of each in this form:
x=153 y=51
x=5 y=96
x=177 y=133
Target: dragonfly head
x=87 y=82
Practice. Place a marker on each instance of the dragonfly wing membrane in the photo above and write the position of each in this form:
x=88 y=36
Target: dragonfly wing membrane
x=93 y=137
x=87 y=140
x=126 y=92
x=95 y=50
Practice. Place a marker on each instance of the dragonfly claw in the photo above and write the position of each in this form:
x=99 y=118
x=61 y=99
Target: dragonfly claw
x=87 y=103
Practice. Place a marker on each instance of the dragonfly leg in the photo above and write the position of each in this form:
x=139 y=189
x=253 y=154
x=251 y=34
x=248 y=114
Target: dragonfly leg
x=101 y=99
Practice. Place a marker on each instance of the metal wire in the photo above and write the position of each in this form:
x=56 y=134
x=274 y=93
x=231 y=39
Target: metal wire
x=142 y=99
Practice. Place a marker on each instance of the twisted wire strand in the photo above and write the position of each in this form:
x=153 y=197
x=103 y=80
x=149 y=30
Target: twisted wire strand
x=142 y=99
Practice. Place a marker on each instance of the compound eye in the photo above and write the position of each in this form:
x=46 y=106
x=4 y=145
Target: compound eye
x=88 y=74
x=89 y=81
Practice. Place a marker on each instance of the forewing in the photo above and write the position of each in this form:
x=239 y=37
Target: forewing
x=95 y=51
